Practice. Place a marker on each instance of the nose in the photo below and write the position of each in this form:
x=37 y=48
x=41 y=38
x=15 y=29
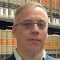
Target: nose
x=35 y=30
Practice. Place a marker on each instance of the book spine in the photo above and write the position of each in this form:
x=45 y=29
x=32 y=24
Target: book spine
x=1 y=8
x=5 y=8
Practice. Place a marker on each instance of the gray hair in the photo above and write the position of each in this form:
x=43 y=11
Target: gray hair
x=25 y=6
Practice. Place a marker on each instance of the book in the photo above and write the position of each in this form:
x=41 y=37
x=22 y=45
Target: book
x=11 y=9
x=1 y=8
x=5 y=8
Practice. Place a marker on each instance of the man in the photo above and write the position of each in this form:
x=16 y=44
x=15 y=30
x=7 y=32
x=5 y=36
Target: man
x=30 y=29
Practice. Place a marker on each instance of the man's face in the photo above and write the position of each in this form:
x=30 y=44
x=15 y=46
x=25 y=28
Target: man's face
x=29 y=37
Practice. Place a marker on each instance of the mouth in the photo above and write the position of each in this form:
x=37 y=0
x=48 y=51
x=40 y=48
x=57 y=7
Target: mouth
x=34 y=40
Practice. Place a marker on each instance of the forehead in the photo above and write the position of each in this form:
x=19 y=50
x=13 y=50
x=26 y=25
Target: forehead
x=32 y=14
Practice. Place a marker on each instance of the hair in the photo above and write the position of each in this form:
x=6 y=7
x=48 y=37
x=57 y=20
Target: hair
x=25 y=6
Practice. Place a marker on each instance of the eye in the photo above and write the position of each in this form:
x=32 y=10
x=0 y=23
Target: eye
x=27 y=24
x=42 y=25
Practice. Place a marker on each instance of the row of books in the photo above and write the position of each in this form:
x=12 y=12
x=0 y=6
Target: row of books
x=6 y=38
x=53 y=10
x=53 y=41
x=8 y=7
x=52 y=46
x=7 y=42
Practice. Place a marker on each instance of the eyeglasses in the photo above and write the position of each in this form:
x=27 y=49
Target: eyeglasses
x=29 y=24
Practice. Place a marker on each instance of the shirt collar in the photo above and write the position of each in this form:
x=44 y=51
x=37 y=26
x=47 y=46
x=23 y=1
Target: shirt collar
x=19 y=57
x=44 y=55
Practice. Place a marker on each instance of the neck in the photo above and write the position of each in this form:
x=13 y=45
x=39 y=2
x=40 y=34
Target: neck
x=30 y=54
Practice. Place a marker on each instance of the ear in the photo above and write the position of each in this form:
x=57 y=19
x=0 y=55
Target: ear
x=13 y=30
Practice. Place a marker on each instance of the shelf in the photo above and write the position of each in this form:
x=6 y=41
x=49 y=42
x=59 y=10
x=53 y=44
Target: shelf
x=54 y=26
x=5 y=25
x=54 y=29
x=6 y=19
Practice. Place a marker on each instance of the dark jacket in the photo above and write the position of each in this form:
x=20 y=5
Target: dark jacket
x=13 y=58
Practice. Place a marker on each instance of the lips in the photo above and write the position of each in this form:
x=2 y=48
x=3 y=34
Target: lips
x=33 y=39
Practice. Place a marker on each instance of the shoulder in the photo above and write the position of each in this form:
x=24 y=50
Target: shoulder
x=10 y=57
x=50 y=58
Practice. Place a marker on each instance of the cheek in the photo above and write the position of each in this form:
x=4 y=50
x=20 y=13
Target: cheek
x=43 y=39
x=22 y=35
x=19 y=34
x=25 y=34
x=44 y=35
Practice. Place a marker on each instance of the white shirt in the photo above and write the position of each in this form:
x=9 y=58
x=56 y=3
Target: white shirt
x=17 y=57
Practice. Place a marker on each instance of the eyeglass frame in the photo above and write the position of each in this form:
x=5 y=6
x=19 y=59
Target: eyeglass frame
x=31 y=24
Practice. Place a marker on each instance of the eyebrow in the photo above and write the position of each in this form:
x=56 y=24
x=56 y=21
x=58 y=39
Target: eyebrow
x=30 y=20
